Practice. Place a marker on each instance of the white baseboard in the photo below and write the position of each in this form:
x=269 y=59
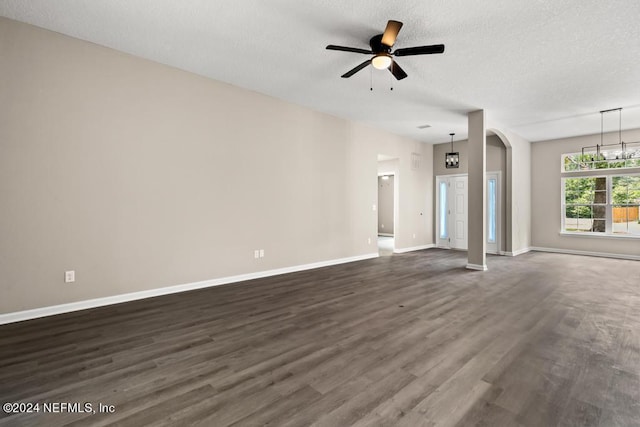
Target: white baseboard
x=518 y=252
x=386 y=234
x=586 y=253
x=414 y=248
x=19 y=316
x=477 y=267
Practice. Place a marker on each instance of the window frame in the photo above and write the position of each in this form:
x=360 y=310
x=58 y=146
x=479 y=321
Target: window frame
x=609 y=174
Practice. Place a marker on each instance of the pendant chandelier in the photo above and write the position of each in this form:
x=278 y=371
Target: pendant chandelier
x=452 y=159
x=591 y=159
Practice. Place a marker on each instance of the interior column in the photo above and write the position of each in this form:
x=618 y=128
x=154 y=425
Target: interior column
x=477 y=191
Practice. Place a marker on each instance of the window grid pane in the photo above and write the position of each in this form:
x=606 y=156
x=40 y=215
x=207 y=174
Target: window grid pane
x=585 y=204
x=626 y=219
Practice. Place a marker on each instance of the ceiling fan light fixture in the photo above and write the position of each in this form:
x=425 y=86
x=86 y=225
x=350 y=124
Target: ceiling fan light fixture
x=380 y=47
x=381 y=61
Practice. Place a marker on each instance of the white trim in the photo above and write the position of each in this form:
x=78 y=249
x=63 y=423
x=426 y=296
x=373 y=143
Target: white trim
x=518 y=252
x=598 y=172
x=386 y=234
x=478 y=267
x=414 y=248
x=599 y=235
x=19 y=316
x=453 y=175
x=586 y=253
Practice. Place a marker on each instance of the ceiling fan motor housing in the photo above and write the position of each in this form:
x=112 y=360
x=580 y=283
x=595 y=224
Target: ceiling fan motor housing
x=377 y=46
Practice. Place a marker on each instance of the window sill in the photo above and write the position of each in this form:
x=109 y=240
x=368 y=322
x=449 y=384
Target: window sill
x=599 y=235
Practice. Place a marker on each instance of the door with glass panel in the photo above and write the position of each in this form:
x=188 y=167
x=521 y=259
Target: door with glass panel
x=451 y=207
x=452 y=213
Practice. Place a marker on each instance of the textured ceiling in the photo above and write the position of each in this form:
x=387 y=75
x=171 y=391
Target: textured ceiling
x=540 y=68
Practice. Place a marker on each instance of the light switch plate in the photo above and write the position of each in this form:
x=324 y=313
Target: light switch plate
x=70 y=276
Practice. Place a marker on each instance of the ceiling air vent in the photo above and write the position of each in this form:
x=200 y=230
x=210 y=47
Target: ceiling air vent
x=424 y=126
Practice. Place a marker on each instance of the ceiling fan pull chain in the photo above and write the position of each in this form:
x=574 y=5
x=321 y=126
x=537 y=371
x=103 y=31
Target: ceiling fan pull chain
x=371 y=79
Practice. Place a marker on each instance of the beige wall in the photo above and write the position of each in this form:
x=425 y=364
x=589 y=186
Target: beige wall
x=139 y=176
x=496 y=161
x=518 y=194
x=546 y=198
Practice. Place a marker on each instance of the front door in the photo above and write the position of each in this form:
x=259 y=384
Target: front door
x=452 y=213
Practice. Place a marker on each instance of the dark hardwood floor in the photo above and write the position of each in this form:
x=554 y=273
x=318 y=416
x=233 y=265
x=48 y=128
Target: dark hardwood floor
x=407 y=340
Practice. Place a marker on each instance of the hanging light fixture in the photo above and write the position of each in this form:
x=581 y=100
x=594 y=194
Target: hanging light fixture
x=588 y=160
x=381 y=61
x=452 y=159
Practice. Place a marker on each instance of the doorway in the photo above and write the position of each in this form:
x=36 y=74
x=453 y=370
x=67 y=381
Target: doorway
x=386 y=213
x=388 y=221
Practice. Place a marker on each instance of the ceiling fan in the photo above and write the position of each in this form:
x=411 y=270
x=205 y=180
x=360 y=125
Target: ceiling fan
x=381 y=45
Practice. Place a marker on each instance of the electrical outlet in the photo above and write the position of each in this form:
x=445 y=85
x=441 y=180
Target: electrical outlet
x=374 y=206
x=261 y=253
x=256 y=254
x=414 y=235
x=369 y=240
x=70 y=276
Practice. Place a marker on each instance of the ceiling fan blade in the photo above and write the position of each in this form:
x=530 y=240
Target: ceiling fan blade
x=349 y=49
x=397 y=72
x=356 y=69
x=391 y=32
x=420 y=50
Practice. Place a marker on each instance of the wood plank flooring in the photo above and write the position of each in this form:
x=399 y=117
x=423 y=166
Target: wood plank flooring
x=407 y=340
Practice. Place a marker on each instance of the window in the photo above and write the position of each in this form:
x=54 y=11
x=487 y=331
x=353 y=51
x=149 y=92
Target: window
x=615 y=159
x=598 y=197
x=443 y=210
x=492 y=216
x=602 y=205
